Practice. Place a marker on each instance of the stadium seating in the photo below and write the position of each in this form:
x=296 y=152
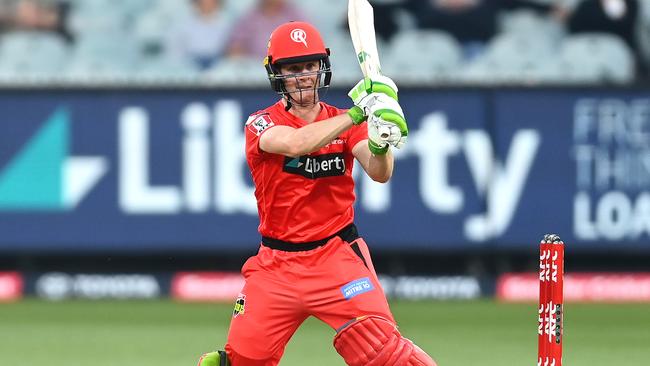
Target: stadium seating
x=510 y=58
x=530 y=23
x=594 y=57
x=240 y=72
x=126 y=39
x=345 y=66
x=418 y=55
x=153 y=69
x=96 y=16
x=31 y=55
x=329 y=18
x=105 y=55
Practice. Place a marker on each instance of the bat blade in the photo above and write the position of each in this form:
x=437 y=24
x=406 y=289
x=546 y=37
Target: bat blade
x=362 y=31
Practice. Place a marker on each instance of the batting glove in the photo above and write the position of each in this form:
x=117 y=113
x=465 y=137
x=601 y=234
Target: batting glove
x=386 y=122
x=367 y=86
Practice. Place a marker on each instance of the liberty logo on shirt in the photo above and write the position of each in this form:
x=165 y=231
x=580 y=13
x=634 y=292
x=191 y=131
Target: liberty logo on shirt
x=319 y=166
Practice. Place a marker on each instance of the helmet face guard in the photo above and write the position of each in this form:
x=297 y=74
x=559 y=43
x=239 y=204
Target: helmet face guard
x=297 y=42
x=277 y=79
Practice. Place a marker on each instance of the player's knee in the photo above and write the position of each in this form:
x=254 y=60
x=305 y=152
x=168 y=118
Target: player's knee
x=375 y=341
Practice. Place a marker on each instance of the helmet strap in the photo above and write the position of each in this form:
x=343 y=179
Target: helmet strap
x=287 y=99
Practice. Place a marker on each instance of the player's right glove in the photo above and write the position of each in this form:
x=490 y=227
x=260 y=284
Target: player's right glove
x=376 y=84
x=386 y=122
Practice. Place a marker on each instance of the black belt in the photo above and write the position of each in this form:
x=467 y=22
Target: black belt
x=348 y=234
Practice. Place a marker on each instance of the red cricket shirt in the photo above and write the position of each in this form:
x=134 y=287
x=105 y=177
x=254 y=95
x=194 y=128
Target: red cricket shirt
x=306 y=198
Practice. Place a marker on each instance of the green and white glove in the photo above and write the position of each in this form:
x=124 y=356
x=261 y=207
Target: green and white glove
x=386 y=123
x=367 y=86
x=375 y=84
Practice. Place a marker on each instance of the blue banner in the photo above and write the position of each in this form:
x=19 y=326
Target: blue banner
x=142 y=171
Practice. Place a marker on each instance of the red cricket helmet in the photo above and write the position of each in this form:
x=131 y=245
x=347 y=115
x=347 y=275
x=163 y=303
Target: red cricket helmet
x=295 y=42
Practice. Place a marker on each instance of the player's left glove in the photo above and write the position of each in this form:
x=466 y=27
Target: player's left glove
x=386 y=122
x=376 y=84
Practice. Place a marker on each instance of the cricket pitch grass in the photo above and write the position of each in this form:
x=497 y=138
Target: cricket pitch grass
x=166 y=333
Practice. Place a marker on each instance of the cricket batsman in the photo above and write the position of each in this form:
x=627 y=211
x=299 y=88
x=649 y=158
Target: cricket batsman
x=312 y=260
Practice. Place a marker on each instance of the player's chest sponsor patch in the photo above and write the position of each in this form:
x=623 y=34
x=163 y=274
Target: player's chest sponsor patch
x=357 y=287
x=318 y=166
x=257 y=124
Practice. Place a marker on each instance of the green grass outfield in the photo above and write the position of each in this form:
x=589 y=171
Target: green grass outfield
x=164 y=333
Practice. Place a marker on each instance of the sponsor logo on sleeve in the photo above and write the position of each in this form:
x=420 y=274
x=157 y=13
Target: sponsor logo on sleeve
x=257 y=124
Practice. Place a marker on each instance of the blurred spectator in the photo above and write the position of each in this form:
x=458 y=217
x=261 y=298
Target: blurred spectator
x=200 y=37
x=467 y=20
x=36 y=16
x=251 y=33
x=618 y=17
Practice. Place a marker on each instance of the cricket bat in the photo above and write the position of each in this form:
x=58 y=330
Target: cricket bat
x=361 y=19
x=362 y=30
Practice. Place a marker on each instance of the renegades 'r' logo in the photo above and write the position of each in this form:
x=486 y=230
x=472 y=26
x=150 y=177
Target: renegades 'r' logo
x=299 y=36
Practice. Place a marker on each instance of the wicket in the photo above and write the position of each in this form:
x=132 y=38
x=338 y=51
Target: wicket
x=551 y=293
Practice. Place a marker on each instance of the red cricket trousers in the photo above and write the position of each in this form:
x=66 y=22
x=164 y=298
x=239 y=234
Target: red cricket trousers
x=336 y=283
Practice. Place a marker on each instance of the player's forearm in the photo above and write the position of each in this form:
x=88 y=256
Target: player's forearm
x=380 y=167
x=315 y=135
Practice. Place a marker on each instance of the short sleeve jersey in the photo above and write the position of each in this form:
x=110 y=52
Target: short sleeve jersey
x=306 y=198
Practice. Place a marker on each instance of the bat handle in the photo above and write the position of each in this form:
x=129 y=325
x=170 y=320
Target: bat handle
x=384 y=132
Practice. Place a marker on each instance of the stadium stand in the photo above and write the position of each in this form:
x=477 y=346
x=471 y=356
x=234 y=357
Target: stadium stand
x=124 y=41
x=28 y=53
x=343 y=59
x=597 y=58
x=422 y=55
x=237 y=71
